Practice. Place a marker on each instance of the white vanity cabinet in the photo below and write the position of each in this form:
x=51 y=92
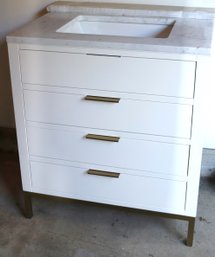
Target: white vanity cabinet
x=115 y=128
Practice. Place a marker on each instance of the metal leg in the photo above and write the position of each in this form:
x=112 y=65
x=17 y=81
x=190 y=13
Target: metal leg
x=28 y=213
x=190 y=233
x=27 y=210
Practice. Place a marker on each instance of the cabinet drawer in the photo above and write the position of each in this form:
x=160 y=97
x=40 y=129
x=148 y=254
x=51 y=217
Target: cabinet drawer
x=135 y=116
x=133 y=154
x=121 y=74
x=130 y=191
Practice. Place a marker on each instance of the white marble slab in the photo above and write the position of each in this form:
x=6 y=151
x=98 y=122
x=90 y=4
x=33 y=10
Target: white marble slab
x=188 y=36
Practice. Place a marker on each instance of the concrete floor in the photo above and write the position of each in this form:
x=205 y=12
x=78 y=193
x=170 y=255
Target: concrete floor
x=65 y=228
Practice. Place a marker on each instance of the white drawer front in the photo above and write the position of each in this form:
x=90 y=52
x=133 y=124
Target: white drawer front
x=147 y=117
x=130 y=191
x=132 y=154
x=122 y=74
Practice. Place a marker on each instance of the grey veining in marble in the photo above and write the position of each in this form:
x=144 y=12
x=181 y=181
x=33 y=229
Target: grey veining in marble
x=189 y=36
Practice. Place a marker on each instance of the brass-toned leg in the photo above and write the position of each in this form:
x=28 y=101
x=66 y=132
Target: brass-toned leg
x=190 y=233
x=28 y=212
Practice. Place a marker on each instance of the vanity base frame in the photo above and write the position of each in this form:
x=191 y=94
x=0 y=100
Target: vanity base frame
x=28 y=213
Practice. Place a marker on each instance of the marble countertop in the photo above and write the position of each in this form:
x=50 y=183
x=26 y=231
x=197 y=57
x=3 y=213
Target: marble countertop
x=188 y=36
x=132 y=9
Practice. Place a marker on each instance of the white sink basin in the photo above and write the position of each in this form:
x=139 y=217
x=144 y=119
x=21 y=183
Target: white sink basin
x=120 y=26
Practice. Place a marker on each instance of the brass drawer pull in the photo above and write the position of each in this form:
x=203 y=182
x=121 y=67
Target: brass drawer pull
x=102 y=99
x=103 y=138
x=103 y=173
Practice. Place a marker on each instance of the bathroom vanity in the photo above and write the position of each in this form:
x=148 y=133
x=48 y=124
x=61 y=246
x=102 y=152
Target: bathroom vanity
x=108 y=106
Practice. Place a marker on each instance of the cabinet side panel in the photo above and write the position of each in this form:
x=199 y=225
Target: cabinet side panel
x=13 y=50
x=196 y=141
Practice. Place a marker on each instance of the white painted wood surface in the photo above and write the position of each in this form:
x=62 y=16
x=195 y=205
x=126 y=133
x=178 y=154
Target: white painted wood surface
x=130 y=191
x=70 y=109
x=53 y=135
x=173 y=78
x=134 y=154
x=19 y=115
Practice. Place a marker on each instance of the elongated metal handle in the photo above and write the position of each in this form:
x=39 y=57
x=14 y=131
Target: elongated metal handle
x=103 y=138
x=103 y=173
x=102 y=99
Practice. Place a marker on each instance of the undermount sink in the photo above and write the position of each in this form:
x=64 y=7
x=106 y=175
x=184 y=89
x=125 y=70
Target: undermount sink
x=120 y=26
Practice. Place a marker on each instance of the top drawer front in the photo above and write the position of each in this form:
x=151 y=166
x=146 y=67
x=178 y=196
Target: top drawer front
x=122 y=74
